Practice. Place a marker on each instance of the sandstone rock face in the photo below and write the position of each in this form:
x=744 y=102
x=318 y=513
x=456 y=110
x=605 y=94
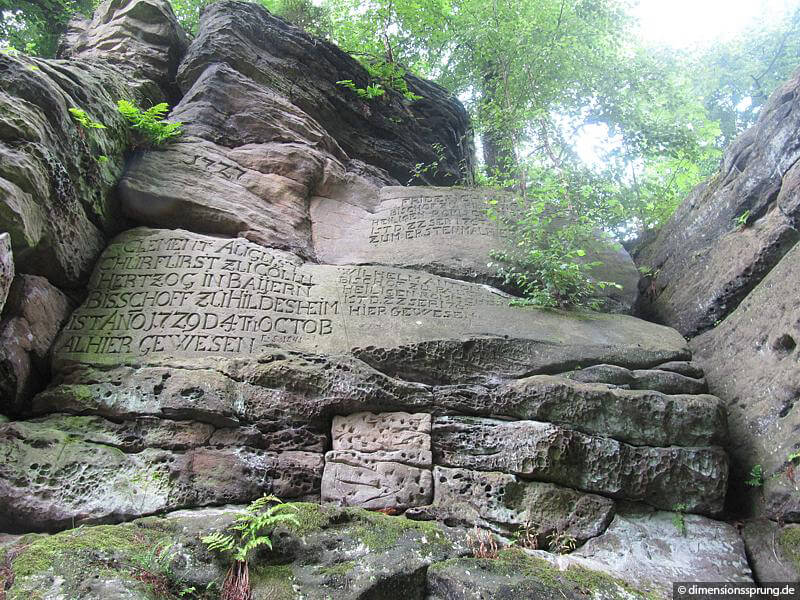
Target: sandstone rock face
x=662 y=477
x=54 y=193
x=6 y=268
x=508 y=505
x=445 y=231
x=142 y=38
x=56 y=177
x=51 y=480
x=751 y=361
x=171 y=294
x=706 y=263
x=35 y=312
x=651 y=550
x=393 y=133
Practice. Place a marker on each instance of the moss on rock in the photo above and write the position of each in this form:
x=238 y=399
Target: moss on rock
x=790 y=544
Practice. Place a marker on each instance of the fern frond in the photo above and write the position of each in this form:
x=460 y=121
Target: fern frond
x=217 y=542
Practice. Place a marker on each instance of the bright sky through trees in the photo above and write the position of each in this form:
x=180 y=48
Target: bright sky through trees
x=687 y=23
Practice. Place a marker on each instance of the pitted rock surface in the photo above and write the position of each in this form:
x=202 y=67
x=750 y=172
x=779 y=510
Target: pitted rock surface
x=662 y=477
x=400 y=437
x=373 y=481
x=509 y=505
x=50 y=479
x=751 y=360
x=379 y=461
x=638 y=417
x=445 y=231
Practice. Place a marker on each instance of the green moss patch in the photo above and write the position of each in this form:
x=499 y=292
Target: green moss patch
x=272 y=582
x=790 y=544
x=515 y=563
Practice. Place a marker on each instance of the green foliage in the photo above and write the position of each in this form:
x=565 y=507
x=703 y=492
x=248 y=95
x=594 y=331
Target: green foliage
x=367 y=93
x=266 y=512
x=679 y=518
x=742 y=219
x=552 y=230
x=150 y=126
x=35 y=26
x=756 y=477
x=80 y=116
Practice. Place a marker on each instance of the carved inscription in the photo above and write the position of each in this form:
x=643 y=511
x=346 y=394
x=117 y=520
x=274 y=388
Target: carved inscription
x=167 y=293
x=218 y=167
x=446 y=215
x=381 y=292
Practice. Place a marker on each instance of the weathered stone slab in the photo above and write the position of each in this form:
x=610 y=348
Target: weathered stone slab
x=396 y=437
x=662 y=477
x=638 y=417
x=507 y=504
x=277 y=391
x=357 y=479
x=256 y=191
x=158 y=294
x=6 y=267
x=751 y=361
x=441 y=230
x=50 y=480
x=648 y=550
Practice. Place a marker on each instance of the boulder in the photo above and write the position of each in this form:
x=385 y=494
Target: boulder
x=50 y=478
x=515 y=575
x=445 y=231
x=142 y=38
x=533 y=512
x=390 y=132
x=35 y=311
x=773 y=551
x=750 y=360
x=732 y=230
x=159 y=294
x=662 y=477
x=6 y=268
x=653 y=550
x=330 y=553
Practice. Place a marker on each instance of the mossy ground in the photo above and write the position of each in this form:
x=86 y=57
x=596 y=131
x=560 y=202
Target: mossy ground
x=790 y=544
x=272 y=582
x=132 y=552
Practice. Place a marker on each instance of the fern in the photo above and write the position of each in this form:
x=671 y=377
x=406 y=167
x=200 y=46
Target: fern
x=84 y=120
x=149 y=124
x=263 y=513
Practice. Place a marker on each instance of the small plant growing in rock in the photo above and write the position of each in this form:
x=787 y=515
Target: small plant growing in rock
x=150 y=126
x=84 y=120
x=742 y=220
x=561 y=542
x=527 y=536
x=679 y=518
x=756 y=477
x=482 y=544
x=248 y=528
